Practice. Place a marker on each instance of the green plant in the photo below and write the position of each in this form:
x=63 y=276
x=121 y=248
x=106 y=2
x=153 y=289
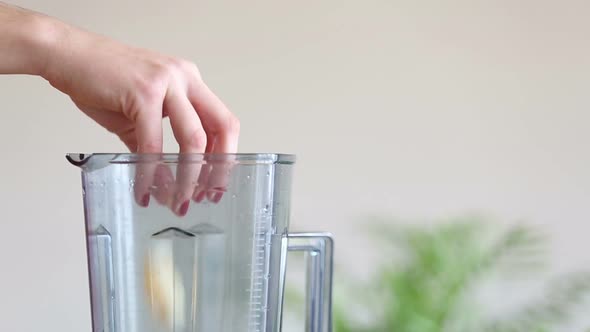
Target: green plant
x=429 y=277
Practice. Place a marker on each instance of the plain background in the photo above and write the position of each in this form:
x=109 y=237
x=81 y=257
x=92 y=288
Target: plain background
x=413 y=110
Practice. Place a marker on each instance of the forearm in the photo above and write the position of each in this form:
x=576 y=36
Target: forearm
x=26 y=40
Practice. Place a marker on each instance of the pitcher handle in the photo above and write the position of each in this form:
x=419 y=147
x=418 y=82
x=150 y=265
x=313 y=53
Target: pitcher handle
x=319 y=254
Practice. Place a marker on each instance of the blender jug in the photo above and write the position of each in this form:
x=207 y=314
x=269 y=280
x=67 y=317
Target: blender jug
x=212 y=261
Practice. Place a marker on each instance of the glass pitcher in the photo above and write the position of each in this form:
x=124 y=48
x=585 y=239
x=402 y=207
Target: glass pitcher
x=196 y=243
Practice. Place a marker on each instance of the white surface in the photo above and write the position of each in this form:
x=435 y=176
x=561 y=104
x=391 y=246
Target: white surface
x=412 y=109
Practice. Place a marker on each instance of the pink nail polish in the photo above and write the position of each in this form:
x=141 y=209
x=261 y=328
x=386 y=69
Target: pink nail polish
x=145 y=200
x=217 y=197
x=200 y=196
x=183 y=209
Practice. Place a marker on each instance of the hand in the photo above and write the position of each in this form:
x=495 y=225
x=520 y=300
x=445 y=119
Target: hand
x=128 y=91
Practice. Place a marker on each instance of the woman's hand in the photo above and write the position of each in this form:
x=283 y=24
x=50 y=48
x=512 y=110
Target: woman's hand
x=127 y=90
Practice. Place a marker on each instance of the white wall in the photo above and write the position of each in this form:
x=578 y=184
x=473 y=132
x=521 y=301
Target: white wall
x=413 y=109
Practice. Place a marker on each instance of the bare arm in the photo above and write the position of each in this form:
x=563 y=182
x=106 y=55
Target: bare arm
x=24 y=40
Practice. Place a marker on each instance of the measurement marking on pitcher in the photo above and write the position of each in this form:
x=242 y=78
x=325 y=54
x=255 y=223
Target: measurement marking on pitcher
x=259 y=264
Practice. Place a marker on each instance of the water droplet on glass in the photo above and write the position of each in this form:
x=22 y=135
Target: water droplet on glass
x=268 y=173
x=234 y=196
x=247 y=177
x=266 y=207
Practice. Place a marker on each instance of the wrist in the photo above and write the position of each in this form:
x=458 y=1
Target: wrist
x=25 y=40
x=46 y=34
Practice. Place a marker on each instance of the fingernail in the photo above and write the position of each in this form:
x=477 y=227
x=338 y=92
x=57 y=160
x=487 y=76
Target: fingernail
x=217 y=197
x=200 y=196
x=183 y=209
x=214 y=196
x=145 y=200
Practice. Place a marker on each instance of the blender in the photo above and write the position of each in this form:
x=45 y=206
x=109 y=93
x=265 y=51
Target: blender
x=214 y=263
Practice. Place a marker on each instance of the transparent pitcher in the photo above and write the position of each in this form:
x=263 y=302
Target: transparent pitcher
x=196 y=243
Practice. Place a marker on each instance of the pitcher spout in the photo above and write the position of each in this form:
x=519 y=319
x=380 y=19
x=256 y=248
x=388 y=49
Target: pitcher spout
x=89 y=161
x=78 y=159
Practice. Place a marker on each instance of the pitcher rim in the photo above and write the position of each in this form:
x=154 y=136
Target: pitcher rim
x=79 y=159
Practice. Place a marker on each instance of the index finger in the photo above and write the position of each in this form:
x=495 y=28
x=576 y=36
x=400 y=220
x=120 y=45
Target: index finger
x=148 y=131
